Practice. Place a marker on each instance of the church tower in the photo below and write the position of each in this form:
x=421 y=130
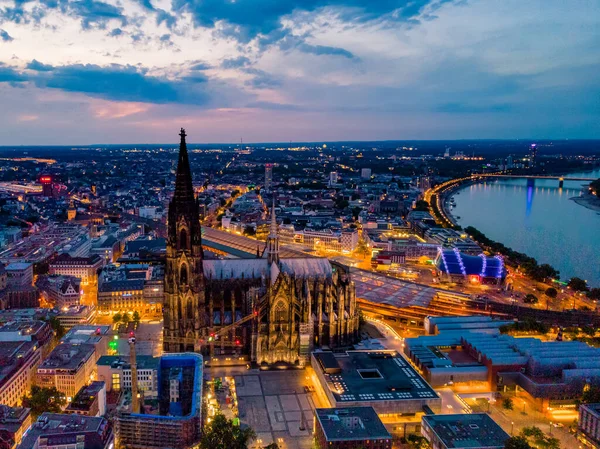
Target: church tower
x=184 y=279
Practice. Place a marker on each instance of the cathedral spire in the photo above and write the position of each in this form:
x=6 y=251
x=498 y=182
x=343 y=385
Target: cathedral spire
x=184 y=191
x=273 y=238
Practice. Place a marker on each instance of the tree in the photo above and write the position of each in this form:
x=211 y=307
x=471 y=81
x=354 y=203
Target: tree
x=517 y=442
x=126 y=318
x=551 y=292
x=590 y=331
x=507 y=404
x=42 y=399
x=422 y=205
x=530 y=299
x=417 y=441
x=221 y=433
x=117 y=317
x=136 y=318
x=578 y=284
x=594 y=293
x=362 y=249
x=57 y=327
x=591 y=394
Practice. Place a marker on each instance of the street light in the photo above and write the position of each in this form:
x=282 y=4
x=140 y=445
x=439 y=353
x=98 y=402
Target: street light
x=512 y=427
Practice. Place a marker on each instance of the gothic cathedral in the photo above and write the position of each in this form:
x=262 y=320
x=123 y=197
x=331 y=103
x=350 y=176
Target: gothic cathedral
x=268 y=310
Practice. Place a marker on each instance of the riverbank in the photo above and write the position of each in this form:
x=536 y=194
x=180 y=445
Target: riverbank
x=588 y=201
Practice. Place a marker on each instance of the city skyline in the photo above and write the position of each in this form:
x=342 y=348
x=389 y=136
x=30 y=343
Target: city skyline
x=325 y=70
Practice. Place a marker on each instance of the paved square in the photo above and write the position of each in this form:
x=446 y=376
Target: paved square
x=276 y=406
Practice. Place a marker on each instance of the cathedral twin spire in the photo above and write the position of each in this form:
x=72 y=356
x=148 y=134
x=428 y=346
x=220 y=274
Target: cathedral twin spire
x=273 y=239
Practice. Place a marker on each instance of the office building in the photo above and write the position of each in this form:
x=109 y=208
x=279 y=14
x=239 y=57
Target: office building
x=131 y=287
x=61 y=431
x=268 y=176
x=333 y=178
x=75 y=315
x=90 y=334
x=464 y=431
x=14 y=422
x=115 y=371
x=85 y=268
x=69 y=367
x=383 y=380
x=20 y=274
x=350 y=428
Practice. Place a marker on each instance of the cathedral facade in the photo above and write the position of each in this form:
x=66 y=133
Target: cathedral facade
x=268 y=309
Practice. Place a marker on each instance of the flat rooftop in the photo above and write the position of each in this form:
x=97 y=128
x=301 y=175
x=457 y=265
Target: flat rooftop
x=372 y=376
x=467 y=431
x=352 y=423
x=122 y=362
x=68 y=356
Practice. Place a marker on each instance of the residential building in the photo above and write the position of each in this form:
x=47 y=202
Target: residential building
x=365 y=173
x=14 y=422
x=350 y=428
x=61 y=291
x=68 y=368
x=90 y=400
x=62 y=431
x=18 y=362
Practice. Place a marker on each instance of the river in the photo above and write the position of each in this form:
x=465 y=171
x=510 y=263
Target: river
x=540 y=221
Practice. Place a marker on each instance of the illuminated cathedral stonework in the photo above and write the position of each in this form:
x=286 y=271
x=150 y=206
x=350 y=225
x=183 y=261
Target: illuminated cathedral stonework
x=272 y=309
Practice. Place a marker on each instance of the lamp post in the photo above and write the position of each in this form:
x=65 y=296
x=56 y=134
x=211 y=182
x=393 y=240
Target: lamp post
x=512 y=428
x=550 y=428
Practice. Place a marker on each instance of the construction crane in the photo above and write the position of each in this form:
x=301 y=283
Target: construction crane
x=213 y=337
x=135 y=401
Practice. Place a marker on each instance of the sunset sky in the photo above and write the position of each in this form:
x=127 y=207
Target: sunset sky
x=135 y=71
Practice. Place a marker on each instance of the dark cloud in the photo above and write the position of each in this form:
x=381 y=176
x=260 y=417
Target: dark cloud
x=235 y=63
x=200 y=66
x=38 y=66
x=96 y=13
x=5 y=37
x=251 y=18
x=119 y=83
x=471 y=108
x=163 y=16
x=10 y=75
x=325 y=50
x=261 y=79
